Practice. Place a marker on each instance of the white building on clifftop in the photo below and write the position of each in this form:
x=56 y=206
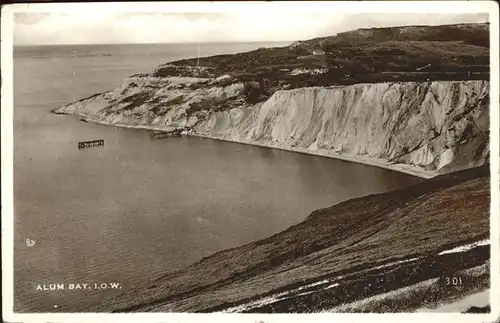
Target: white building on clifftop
x=294 y=44
x=318 y=52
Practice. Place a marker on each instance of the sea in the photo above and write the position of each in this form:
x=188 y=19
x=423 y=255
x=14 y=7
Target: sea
x=118 y=216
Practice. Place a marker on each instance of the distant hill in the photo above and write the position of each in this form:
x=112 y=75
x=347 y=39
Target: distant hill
x=473 y=33
x=448 y=52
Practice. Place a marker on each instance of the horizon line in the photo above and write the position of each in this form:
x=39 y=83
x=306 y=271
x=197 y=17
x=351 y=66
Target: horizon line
x=157 y=43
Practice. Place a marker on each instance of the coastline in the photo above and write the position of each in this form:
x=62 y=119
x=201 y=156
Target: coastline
x=369 y=161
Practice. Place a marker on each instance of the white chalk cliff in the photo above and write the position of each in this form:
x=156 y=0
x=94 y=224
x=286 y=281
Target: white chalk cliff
x=421 y=127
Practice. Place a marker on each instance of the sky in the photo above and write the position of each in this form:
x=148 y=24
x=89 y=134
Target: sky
x=33 y=28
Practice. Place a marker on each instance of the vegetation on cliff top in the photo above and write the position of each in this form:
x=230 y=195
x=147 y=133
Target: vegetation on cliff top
x=450 y=52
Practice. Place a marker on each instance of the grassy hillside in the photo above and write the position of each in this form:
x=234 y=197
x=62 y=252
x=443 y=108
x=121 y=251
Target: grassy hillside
x=363 y=247
x=475 y=33
x=454 y=52
x=446 y=46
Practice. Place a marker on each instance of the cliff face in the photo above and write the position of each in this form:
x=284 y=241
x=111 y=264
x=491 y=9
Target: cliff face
x=437 y=126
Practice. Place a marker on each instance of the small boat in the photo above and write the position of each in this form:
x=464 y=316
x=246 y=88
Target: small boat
x=159 y=134
x=166 y=134
x=83 y=120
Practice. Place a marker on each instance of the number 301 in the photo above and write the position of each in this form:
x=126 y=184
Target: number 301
x=453 y=281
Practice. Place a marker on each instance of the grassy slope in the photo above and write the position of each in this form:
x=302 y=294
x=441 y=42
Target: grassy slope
x=447 y=46
x=360 y=56
x=345 y=239
x=430 y=294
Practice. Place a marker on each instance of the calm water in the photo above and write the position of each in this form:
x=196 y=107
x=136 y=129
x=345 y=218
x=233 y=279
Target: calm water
x=136 y=208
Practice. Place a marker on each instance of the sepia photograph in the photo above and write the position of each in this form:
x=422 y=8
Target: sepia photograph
x=250 y=158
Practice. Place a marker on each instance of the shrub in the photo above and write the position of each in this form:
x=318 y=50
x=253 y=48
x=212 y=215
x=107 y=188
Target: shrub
x=135 y=100
x=210 y=104
x=166 y=71
x=482 y=41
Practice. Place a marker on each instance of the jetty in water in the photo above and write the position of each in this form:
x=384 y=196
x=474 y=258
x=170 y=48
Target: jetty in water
x=166 y=134
x=92 y=143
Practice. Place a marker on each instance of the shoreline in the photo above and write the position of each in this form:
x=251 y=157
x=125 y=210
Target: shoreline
x=369 y=161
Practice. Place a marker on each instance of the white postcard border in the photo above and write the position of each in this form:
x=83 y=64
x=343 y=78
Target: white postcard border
x=441 y=7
